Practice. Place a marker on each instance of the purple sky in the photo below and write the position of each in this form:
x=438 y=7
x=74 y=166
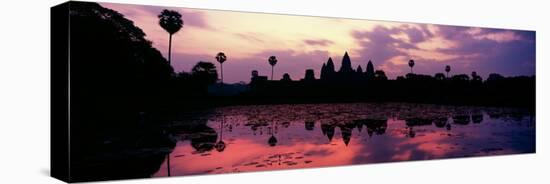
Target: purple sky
x=302 y=42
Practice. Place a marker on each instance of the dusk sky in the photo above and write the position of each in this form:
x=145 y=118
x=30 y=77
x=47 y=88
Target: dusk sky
x=304 y=42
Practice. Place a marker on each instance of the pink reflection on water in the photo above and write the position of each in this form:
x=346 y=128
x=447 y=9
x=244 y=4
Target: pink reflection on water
x=249 y=155
x=345 y=137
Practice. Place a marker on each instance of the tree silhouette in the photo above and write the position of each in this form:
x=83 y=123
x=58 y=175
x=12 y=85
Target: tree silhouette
x=255 y=73
x=204 y=73
x=447 y=69
x=411 y=64
x=476 y=79
x=116 y=65
x=495 y=77
x=460 y=77
x=286 y=77
x=439 y=76
x=220 y=57
x=272 y=61
x=171 y=22
x=380 y=75
x=117 y=73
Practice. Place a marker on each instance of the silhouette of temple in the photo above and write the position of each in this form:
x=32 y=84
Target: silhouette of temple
x=310 y=75
x=365 y=83
x=257 y=78
x=346 y=73
x=346 y=65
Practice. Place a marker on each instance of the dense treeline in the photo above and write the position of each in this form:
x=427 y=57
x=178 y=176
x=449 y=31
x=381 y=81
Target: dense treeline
x=115 y=76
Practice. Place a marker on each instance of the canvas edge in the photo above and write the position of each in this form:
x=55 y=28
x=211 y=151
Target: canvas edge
x=60 y=117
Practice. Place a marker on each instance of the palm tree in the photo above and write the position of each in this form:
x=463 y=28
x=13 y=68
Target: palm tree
x=171 y=22
x=272 y=61
x=221 y=58
x=447 y=69
x=411 y=64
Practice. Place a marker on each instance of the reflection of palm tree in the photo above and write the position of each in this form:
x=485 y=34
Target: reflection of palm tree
x=447 y=69
x=171 y=22
x=220 y=145
x=272 y=61
x=411 y=133
x=448 y=126
x=272 y=140
x=411 y=64
x=220 y=57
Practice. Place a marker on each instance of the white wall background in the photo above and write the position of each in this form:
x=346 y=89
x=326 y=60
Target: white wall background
x=24 y=90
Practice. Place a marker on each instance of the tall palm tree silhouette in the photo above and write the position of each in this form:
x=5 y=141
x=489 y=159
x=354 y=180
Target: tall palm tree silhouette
x=221 y=58
x=411 y=64
x=272 y=61
x=171 y=22
x=447 y=69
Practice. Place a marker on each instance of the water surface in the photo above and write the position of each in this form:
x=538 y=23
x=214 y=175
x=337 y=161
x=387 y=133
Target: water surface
x=271 y=137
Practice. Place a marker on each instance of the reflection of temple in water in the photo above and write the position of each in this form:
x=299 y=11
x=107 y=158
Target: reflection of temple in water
x=376 y=126
x=204 y=138
x=373 y=126
x=346 y=129
x=328 y=130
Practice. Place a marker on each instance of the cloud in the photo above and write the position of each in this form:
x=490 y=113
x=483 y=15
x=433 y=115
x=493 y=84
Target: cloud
x=484 y=50
x=251 y=37
x=190 y=18
x=195 y=18
x=389 y=46
x=378 y=45
x=320 y=42
x=509 y=52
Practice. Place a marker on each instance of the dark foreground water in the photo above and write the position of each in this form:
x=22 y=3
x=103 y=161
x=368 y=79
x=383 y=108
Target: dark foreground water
x=271 y=137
